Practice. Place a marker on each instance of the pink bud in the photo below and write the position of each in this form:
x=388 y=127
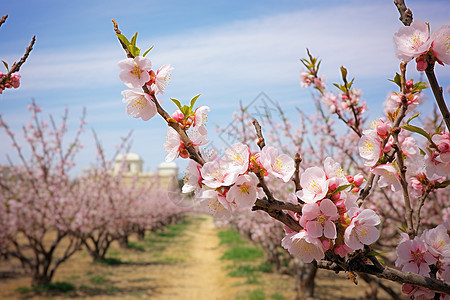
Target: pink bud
x=358 y=179
x=355 y=190
x=409 y=86
x=326 y=244
x=422 y=63
x=333 y=184
x=387 y=148
x=177 y=115
x=349 y=178
x=336 y=196
x=383 y=129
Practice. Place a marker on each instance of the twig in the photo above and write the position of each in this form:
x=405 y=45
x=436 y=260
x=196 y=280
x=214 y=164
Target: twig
x=194 y=154
x=3 y=19
x=16 y=66
x=420 y=203
x=296 y=178
x=437 y=92
x=406 y=15
x=261 y=143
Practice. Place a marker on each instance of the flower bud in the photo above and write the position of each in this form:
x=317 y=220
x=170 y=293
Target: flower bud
x=333 y=183
x=178 y=115
x=358 y=179
x=422 y=63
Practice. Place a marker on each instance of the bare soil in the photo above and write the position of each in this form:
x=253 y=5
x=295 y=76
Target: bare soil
x=182 y=267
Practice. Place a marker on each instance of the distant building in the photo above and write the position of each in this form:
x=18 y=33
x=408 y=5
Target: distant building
x=131 y=165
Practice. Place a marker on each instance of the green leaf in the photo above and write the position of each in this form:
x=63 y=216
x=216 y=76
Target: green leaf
x=341 y=188
x=422 y=152
x=133 y=39
x=412 y=118
x=418 y=130
x=186 y=110
x=397 y=80
x=444 y=184
x=419 y=86
x=403 y=228
x=350 y=84
x=123 y=39
x=134 y=50
x=193 y=101
x=376 y=253
x=318 y=65
x=344 y=73
x=6 y=65
x=146 y=52
x=177 y=103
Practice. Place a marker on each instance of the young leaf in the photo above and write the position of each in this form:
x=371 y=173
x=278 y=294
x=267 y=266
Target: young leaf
x=344 y=73
x=133 y=39
x=6 y=65
x=397 y=80
x=193 y=101
x=444 y=184
x=419 y=86
x=418 y=130
x=177 y=103
x=123 y=39
x=412 y=118
x=341 y=188
x=146 y=52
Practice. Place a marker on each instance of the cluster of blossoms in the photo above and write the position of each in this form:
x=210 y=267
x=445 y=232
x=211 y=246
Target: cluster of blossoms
x=12 y=82
x=330 y=217
x=230 y=182
x=136 y=73
x=416 y=42
x=427 y=255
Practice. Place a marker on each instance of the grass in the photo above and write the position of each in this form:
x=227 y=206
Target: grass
x=243 y=253
x=253 y=295
x=97 y=279
x=277 y=296
x=92 y=291
x=135 y=246
x=59 y=286
x=230 y=237
x=110 y=261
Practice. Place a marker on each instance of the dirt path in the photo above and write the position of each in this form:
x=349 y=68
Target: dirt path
x=203 y=276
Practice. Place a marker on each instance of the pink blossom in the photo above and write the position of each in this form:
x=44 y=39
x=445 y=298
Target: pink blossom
x=134 y=71
x=334 y=170
x=175 y=146
x=216 y=174
x=438 y=241
x=442 y=142
x=193 y=178
x=306 y=79
x=417 y=292
x=244 y=191
x=302 y=245
x=362 y=230
x=412 y=41
x=215 y=202
x=342 y=250
x=281 y=166
x=162 y=78
x=413 y=256
x=314 y=185
x=369 y=148
x=330 y=101
x=139 y=104
x=318 y=219
x=237 y=156
x=441 y=44
x=388 y=176
x=201 y=115
x=15 y=80
x=358 y=179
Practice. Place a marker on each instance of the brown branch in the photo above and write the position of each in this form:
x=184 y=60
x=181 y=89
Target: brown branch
x=261 y=143
x=296 y=178
x=437 y=92
x=194 y=154
x=3 y=19
x=406 y=15
x=16 y=66
x=279 y=215
x=420 y=203
x=392 y=275
x=278 y=205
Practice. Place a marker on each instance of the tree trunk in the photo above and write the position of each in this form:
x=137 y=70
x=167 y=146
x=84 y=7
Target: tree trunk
x=305 y=276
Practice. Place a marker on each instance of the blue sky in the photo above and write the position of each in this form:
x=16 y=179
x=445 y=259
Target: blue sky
x=227 y=51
